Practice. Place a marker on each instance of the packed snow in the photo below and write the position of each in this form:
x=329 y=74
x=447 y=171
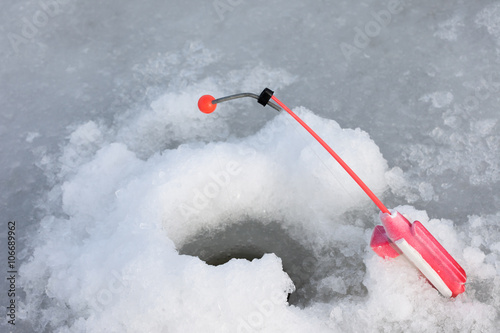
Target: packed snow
x=135 y=212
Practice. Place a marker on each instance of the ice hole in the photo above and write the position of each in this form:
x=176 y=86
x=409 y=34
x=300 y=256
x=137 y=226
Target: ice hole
x=306 y=266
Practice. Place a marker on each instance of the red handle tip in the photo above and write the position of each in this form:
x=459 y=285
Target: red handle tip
x=205 y=104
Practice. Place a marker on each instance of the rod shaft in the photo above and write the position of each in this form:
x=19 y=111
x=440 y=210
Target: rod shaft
x=344 y=165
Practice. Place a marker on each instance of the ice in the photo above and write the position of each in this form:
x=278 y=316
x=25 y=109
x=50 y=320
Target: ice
x=126 y=216
x=448 y=30
x=135 y=211
x=489 y=18
x=438 y=99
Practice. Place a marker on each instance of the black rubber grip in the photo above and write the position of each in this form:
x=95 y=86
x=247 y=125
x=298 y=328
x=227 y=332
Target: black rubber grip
x=265 y=96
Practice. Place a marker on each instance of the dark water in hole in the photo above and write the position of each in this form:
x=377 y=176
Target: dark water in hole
x=304 y=263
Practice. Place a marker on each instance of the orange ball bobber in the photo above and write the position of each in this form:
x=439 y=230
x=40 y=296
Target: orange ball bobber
x=205 y=104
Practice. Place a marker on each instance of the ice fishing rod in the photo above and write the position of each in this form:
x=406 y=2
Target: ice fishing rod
x=396 y=235
x=208 y=104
